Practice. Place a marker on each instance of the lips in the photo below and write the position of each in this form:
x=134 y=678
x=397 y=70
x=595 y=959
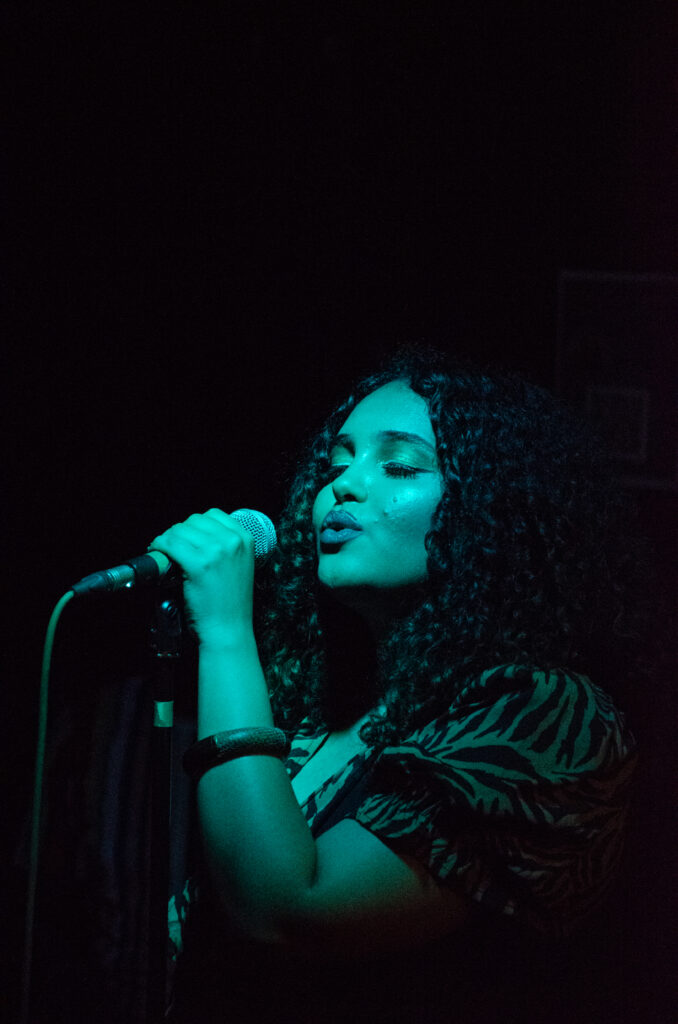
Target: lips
x=339 y=526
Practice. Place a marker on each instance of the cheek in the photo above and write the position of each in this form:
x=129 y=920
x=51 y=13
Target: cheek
x=409 y=514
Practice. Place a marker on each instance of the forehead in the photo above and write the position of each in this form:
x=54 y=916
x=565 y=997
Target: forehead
x=394 y=406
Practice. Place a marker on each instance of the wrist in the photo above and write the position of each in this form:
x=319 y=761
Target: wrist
x=232 y=690
x=226 y=639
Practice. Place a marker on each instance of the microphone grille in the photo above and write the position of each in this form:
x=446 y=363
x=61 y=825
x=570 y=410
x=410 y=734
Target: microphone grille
x=261 y=528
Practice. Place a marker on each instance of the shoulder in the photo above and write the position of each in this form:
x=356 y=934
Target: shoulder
x=517 y=793
x=531 y=722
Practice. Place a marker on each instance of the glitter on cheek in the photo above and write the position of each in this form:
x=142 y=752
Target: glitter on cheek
x=409 y=515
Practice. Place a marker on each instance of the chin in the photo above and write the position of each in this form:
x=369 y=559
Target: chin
x=373 y=602
x=342 y=588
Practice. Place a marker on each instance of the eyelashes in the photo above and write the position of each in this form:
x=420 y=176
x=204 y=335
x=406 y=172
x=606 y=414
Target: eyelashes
x=391 y=469
x=398 y=469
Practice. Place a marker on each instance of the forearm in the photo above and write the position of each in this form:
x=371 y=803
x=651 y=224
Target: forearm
x=259 y=851
x=232 y=691
x=346 y=893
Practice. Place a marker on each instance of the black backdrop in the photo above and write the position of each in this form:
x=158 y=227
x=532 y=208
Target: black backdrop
x=217 y=216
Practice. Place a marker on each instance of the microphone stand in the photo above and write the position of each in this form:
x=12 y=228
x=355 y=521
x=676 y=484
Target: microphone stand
x=165 y=642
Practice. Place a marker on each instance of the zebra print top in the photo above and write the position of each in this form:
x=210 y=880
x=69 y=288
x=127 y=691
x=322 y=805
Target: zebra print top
x=517 y=795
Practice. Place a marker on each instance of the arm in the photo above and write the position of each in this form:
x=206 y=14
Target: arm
x=346 y=892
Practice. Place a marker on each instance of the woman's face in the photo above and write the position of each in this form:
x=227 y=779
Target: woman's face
x=372 y=517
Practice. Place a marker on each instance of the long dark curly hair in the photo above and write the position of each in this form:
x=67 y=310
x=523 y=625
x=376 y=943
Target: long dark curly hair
x=533 y=559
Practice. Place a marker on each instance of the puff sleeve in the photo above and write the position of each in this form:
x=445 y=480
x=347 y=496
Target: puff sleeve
x=517 y=795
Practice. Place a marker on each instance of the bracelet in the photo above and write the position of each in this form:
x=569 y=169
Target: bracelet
x=224 y=746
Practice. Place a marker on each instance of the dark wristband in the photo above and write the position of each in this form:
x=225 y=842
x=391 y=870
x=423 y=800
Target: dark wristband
x=224 y=746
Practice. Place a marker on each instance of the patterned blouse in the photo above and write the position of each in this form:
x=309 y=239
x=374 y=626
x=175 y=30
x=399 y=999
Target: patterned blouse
x=517 y=796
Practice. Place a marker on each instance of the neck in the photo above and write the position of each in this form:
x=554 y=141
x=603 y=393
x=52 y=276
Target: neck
x=356 y=634
x=390 y=608
x=351 y=664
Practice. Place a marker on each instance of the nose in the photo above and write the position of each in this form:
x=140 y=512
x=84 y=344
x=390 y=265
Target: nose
x=350 y=485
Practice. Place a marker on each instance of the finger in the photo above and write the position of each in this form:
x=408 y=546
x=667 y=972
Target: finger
x=202 y=538
x=222 y=529
x=219 y=516
x=196 y=529
x=213 y=522
x=187 y=535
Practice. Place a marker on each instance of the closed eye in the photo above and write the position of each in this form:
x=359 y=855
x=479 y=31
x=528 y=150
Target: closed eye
x=392 y=469
x=399 y=469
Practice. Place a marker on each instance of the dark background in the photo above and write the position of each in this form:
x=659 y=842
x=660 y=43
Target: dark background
x=217 y=216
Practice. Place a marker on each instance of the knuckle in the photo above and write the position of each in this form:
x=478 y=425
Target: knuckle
x=232 y=543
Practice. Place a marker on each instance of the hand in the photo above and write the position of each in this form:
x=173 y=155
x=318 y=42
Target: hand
x=217 y=558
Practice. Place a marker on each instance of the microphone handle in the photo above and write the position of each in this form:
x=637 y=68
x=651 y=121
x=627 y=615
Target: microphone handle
x=143 y=571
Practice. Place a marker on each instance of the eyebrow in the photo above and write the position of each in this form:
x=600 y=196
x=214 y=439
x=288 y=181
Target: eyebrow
x=346 y=440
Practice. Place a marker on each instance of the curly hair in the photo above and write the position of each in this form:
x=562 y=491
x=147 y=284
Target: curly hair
x=533 y=559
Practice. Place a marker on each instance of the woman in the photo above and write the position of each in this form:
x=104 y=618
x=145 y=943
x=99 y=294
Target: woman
x=452 y=567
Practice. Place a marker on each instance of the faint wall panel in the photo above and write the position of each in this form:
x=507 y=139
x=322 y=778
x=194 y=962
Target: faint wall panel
x=617 y=361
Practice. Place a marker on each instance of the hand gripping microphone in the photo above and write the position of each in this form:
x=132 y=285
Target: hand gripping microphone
x=155 y=568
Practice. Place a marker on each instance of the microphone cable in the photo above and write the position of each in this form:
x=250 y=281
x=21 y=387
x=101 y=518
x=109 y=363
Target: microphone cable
x=36 y=813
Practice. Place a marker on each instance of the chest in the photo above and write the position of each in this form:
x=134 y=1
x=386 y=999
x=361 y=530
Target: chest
x=329 y=758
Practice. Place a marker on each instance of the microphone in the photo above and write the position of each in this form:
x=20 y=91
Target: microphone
x=155 y=568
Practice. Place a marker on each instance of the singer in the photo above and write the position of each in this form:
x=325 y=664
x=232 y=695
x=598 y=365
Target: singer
x=443 y=635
